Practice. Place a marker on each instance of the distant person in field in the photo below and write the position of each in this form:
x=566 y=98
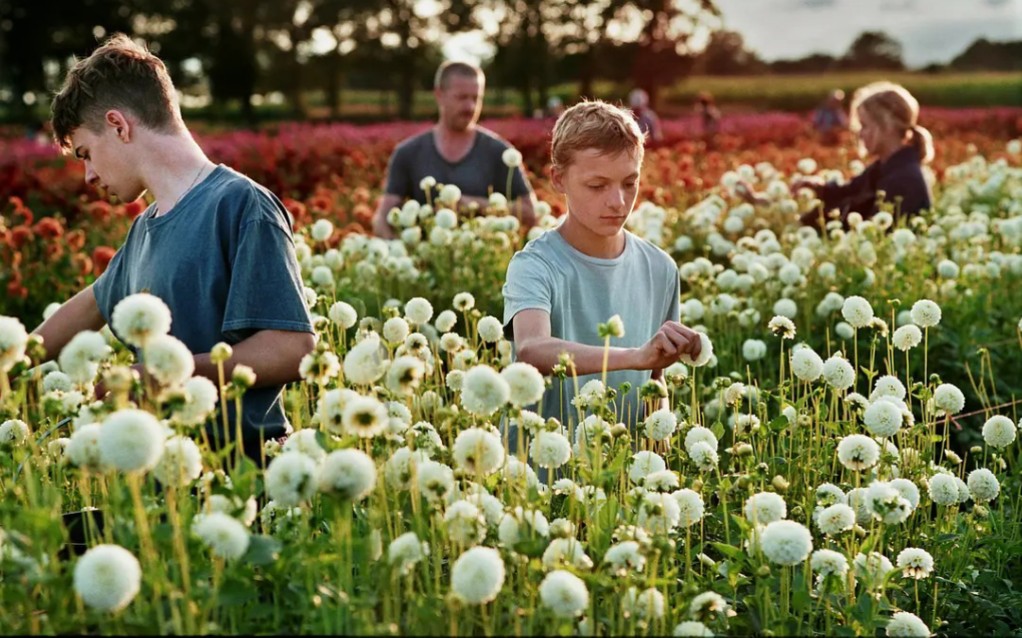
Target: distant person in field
x=214 y=246
x=829 y=118
x=578 y=275
x=649 y=122
x=454 y=151
x=885 y=116
x=709 y=118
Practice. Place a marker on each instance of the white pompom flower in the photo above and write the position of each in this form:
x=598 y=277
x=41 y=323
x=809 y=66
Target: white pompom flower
x=348 y=474
x=180 y=464
x=365 y=362
x=883 y=418
x=764 y=508
x=786 y=542
x=13 y=341
x=138 y=318
x=907 y=624
x=291 y=478
x=948 y=399
x=484 y=390
x=705 y=352
x=999 y=431
x=564 y=594
x=660 y=425
x=107 y=577
x=131 y=441
x=224 y=535
x=168 y=360
x=983 y=485
x=478 y=451
x=915 y=562
x=858 y=452
x=478 y=575
x=925 y=313
x=81 y=357
x=857 y=311
x=525 y=383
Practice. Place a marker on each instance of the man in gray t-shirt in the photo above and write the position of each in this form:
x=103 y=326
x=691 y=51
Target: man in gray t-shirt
x=455 y=151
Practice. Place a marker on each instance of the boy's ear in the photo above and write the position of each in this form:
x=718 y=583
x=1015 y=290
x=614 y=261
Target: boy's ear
x=557 y=178
x=116 y=120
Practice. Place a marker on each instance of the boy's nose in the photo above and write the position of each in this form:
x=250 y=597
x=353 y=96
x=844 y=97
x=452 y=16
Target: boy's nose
x=90 y=175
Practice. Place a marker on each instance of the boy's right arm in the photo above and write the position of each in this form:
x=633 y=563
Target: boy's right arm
x=79 y=313
x=536 y=346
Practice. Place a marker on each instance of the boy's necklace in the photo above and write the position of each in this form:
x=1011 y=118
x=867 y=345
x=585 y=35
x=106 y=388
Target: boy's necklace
x=185 y=192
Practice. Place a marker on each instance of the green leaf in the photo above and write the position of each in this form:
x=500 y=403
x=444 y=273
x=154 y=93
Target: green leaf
x=729 y=551
x=262 y=550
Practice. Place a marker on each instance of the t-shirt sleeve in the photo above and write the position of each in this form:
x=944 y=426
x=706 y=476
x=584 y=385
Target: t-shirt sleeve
x=399 y=173
x=266 y=290
x=527 y=286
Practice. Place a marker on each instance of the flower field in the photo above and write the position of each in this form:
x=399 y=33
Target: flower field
x=841 y=460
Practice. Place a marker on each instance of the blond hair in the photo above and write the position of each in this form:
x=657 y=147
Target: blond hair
x=594 y=125
x=120 y=74
x=893 y=107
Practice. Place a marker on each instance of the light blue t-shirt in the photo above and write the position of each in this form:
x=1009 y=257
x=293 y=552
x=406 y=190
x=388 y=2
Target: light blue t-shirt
x=223 y=260
x=580 y=292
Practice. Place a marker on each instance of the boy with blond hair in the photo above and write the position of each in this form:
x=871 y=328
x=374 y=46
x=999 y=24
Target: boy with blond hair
x=566 y=282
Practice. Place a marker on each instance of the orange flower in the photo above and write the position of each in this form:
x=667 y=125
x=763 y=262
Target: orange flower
x=49 y=228
x=101 y=257
x=20 y=236
x=75 y=239
x=134 y=209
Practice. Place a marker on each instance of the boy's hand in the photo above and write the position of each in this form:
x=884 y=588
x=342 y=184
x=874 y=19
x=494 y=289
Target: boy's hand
x=667 y=345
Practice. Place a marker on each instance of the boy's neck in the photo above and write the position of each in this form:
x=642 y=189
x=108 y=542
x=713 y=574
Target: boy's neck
x=589 y=243
x=177 y=164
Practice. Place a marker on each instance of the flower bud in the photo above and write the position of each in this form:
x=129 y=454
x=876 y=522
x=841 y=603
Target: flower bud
x=763 y=571
x=780 y=483
x=221 y=352
x=243 y=376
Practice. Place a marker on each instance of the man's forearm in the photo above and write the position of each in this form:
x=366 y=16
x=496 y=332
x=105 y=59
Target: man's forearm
x=273 y=355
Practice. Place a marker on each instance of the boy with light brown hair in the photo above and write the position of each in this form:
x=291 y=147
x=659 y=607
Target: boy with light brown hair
x=214 y=245
x=566 y=282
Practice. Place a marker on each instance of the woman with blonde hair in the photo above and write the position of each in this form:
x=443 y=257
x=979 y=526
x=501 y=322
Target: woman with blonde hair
x=885 y=116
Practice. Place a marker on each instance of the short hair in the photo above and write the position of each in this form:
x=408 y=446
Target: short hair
x=120 y=74
x=597 y=125
x=449 y=68
x=892 y=106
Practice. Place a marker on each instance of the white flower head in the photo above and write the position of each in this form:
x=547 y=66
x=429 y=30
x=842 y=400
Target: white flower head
x=566 y=552
x=564 y=594
x=786 y=542
x=645 y=463
x=904 y=623
x=925 y=313
x=836 y=518
x=827 y=562
x=858 y=452
x=511 y=157
x=624 y=557
x=883 y=418
x=138 y=318
x=525 y=383
x=915 y=562
x=202 y=397
x=465 y=523
x=365 y=363
x=364 y=417
x=999 y=431
x=550 y=449
x=405 y=551
x=948 y=399
x=690 y=507
x=692 y=628
x=943 y=489
x=478 y=451
x=647 y=604
x=349 y=474
x=764 y=508
x=13 y=341
x=225 y=535
x=304 y=441
x=343 y=314
x=13 y=433
x=806 y=364
x=181 y=462
x=661 y=424
x=131 y=441
x=478 y=575
x=436 y=480
x=907 y=337
x=107 y=577
x=839 y=373
x=983 y=485
x=857 y=311
x=80 y=358
x=321 y=230
x=291 y=478
x=168 y=359
x=484 y=390
x=705 y=352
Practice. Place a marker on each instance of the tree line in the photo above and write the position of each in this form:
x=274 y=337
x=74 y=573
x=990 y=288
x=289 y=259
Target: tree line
x=240 y=48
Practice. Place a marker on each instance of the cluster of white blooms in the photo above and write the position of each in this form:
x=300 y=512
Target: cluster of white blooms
x=478 y=575
x=564 y=594
x=107 y=577
x=786 y=542
x=478 y=451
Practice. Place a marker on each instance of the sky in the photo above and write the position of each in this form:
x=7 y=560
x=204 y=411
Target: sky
x=929 y=30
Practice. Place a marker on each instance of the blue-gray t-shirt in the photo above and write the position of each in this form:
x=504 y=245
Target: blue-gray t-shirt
x=479 y=173
x=580 y=292
x=223 y=260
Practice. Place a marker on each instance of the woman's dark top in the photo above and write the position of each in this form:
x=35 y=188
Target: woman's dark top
x=900 y=177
